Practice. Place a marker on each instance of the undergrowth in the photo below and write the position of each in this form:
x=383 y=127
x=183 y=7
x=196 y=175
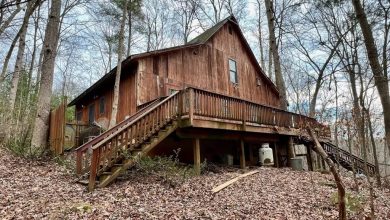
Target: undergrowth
x=66 y=162
x=22 y=148
x=353 y=203
x=169 y=169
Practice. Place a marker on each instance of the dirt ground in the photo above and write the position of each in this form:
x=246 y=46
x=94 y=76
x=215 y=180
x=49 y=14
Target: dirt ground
x=46 y=190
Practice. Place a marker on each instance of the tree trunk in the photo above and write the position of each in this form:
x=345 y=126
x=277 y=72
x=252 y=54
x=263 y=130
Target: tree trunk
x=50 y=43
x=275 y=54
x=115 y=101
x=378 y=177
x=130 y=26
x=260 y=36
x=340 y=186
x=7 y=22
x=31 y=6
x=33 y=55
x=349 y=139
x=379 y=76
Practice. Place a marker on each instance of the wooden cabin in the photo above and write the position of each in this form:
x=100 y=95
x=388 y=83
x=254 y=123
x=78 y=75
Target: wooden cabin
x=209 y=97
x=219 y=60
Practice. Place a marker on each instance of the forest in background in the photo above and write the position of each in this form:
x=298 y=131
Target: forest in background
x=331 y=69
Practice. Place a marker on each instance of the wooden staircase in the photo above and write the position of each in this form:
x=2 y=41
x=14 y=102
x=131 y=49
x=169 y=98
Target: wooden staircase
x=348 y=160
x=107 y=156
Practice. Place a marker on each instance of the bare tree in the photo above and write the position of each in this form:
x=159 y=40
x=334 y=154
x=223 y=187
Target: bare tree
x=31 y=6
x=260 y=34
x=275 y=54
x=380 y=77
x=185 y=15
x=115 y=101
x=5 y=24
x=41 y=125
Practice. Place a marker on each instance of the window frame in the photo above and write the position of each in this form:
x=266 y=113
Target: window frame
x=102 y=100
x=231 y=71
x=91 y=109
x=79 y=115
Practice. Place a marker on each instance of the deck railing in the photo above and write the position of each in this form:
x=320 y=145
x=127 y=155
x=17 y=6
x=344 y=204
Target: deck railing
x=212 y=105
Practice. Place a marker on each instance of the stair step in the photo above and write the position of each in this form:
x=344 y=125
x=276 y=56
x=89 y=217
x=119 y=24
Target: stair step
x=117 y=165
x=83 y=182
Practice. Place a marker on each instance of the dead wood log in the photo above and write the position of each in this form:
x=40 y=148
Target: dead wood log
x=228 y=183
x=340 y=186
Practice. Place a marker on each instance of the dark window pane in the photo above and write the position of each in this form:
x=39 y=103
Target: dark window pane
x=102 y=105
x=91 y=113
x=79 y=115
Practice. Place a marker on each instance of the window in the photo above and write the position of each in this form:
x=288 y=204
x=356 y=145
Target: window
x=79 y=115
x=233 y=71
x=230 y=29
x=91 y=113
x=102 y=105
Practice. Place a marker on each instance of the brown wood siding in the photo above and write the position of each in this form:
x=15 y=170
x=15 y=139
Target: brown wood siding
x=127 y=98
x=205 y=67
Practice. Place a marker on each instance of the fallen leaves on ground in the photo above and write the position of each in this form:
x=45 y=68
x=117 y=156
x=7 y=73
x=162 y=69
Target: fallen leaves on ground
x=45 y=190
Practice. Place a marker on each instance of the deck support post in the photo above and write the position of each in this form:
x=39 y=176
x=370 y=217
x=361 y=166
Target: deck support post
x=276 y=154
x=197 y=156
x=309 y=157
x=242 y=154
x=290 y=150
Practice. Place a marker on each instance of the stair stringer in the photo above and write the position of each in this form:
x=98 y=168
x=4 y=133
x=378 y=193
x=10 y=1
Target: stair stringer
x=134 y=158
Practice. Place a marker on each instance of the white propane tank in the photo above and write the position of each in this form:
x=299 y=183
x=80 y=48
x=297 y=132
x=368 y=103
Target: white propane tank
x=266 y=156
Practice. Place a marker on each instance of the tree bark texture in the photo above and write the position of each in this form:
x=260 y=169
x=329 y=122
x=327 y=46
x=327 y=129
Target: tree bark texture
x=340 y=186
x=50 y=43
x=380 y=77
x=115 y=101
x=275 y=54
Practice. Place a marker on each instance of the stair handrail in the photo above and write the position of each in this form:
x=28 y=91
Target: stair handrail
x=101 y=136
x=134 y=121
x=96 y=157
x=354 y=157
x=84 y=147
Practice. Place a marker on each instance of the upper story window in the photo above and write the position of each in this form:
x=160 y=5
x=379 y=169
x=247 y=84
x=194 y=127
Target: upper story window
x=79 y=115
x=233 y=71
x=102 y=105
x=91 y=113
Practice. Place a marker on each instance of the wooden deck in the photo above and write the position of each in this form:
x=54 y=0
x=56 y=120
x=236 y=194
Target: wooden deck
x=211 y=110
x=111 y=153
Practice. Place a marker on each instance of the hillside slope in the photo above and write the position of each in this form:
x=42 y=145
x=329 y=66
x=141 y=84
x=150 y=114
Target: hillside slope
x=45 y=190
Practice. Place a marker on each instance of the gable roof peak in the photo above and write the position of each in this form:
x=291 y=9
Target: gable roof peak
x=206 y=35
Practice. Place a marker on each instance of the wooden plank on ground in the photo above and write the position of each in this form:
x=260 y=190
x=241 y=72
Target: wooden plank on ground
x=228 y=183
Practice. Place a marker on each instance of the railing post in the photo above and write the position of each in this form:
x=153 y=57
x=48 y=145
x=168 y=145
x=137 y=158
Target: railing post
x=93 y=171
x=78 y=162
x=191 y=105
x=274 y=117
x=180 y=106
x=243 y=115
